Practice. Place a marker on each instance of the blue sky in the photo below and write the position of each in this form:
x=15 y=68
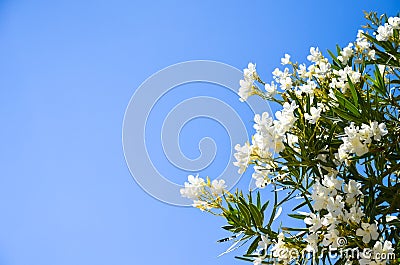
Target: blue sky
x=68 y=70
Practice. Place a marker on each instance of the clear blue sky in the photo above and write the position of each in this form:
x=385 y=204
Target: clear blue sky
x=67 y=72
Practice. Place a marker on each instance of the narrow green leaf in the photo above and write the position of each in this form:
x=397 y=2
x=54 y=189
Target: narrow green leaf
x=256 y=215
x=298 y=216
x=353 y=91
x=344 y=102
x=253 y=245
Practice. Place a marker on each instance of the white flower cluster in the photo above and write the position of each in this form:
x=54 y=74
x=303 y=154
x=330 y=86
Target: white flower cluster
x=342 y=206
x=363 y=46
x=269 y=139
x=242 y=156
x=357 y=139
x=341 y=81
x=279 y=250
x=384 y=32
x=320 y=69
x=201 y=192
x=315 y=113
x=336 y=205
x=283 y=78
x=194 y=188
x=342 y=203
x=247 y=83
x=346 y=53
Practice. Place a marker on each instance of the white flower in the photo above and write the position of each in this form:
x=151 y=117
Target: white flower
x=371 y=54
x=269 y=136
x=242 y=156
x=381 y=251
x=246 y=85
x=362 y=43
x=250 y=72
x=245 y=90
x=332 y=183
x=315 y=114
x=282 y=78
x=346 y=53
x=365 y=133
x=319 y=196
x=394 y=22
x=323 y=69
x=314 y=221
x=378 y=130
x=352 y=190
x=384 y=32
x=315 y=55
x=280 y=244
x=281 y=251
x=355 y=142
x=355 y=214
x=331 y=238
x=277 y=74
x=342 y=154
x=292 y=140
x=308 y=88
x=202 y=205
x=302 y=71
x=194 y=188
x=368 y=232
x=285 y=60
x=263 y=122
x=261 y=177
x=285 y=118
x=335 y=206
x=330 y=221
x=312 y=240
x=264 y=242
x=271 y=89
x=218 y=186
x=357 y=146
x=286 y=83
x=347 y=72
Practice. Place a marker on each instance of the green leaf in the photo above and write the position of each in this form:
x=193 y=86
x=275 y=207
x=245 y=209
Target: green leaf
x=353 y=91
x=257 y=216
x=228 y=227
x=379 y=82
x=345 y=103
x=264 y=207
x=254 y=245
x=334 y=58
x=298 y=216
x=258 y=200
x=243 y=258
x=245 y=213
x=299 y=206
x=344 y=115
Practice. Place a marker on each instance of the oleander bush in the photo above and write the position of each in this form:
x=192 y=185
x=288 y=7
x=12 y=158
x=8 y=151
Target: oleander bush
x=332 y=151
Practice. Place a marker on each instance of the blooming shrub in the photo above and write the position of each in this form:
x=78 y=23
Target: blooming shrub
x=334 y=147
